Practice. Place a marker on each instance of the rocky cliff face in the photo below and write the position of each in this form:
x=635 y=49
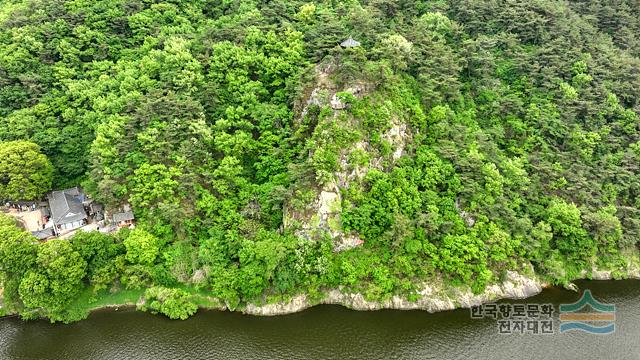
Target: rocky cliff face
x=322 y=214
x=632 y=272
x=431 y=298
x=434 y=298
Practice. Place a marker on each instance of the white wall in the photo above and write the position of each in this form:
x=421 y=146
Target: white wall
x=72 y=225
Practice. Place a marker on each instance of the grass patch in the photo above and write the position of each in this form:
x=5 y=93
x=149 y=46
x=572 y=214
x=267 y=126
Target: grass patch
x=88 y=301
x=123 y=297
x=202 y=298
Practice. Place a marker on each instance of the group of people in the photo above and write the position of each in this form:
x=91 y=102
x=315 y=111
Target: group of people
x=21 y=207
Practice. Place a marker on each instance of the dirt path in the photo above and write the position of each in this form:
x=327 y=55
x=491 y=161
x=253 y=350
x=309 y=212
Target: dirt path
x=31 y=220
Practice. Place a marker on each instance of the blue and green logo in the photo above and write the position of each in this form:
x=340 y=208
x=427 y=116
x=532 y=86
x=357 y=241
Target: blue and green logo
x=599 y=320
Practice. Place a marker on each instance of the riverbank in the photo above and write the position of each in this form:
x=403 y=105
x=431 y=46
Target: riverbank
x=325 y=332
x=432 y=298
x=439 y=297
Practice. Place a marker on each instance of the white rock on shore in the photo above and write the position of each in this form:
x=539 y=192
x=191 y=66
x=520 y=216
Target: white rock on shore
x=516 y=286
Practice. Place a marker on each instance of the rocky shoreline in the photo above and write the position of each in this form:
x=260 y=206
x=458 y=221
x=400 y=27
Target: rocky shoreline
x=608 y=274
x=431 y=298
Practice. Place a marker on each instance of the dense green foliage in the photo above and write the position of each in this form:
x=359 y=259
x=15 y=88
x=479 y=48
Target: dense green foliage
x=520 y=143
x=25 y=173
x=173 y=303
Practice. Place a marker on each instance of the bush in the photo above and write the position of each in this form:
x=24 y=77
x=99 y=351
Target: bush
x=174 y=303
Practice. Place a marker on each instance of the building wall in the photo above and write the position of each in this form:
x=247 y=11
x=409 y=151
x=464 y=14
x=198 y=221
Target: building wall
x=71 y=225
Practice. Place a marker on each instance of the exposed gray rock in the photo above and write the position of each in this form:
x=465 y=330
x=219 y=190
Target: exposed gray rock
x=431 y=298
x=601 y=275
x=634 y=273
x=631 y=272
x=468 y=219
x=336 y=103
x=572 y=287
x=199 y=276
x=397 y=136
x=298 y=303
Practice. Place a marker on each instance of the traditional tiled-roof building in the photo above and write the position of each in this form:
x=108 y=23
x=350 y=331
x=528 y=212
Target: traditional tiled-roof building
x=67 y=209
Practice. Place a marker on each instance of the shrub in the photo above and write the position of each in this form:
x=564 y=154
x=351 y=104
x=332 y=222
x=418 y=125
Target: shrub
x=174 y=303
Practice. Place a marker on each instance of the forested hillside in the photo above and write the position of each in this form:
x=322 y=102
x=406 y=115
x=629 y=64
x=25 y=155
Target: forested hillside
x=262 y=159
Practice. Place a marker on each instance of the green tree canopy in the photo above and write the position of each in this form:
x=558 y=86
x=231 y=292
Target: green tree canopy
x=25 y=173
x=54 y=282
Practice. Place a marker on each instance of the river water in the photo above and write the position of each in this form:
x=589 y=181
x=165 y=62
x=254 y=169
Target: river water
x=326 y=332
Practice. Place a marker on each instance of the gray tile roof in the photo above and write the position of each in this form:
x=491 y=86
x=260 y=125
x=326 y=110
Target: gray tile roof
x=66 y=206
x=123 y=216
x=349 y=43
x=43 y=234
